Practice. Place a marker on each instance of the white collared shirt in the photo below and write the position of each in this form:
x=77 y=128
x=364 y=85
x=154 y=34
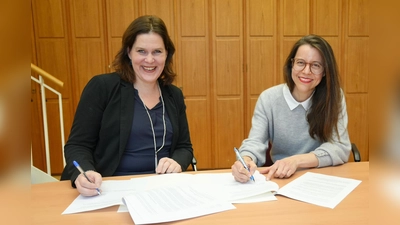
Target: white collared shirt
x=292 y=102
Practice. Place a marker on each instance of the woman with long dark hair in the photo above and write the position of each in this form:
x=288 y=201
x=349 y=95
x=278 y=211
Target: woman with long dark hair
x=303 y=121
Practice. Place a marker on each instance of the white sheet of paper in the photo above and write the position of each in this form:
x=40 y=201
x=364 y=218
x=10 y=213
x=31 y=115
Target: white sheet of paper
x=264 y=197
x=172 y=203
x=223 y=185
x=112 y=193
x=234 y=192
x=319 y=189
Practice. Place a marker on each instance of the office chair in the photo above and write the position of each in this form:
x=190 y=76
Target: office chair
x=193 y=163
x=356 y=153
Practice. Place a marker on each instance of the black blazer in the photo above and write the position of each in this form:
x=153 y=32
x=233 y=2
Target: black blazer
x=103 y=121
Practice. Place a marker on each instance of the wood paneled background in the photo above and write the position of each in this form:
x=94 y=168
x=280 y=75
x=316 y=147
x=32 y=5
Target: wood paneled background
x=228 y=52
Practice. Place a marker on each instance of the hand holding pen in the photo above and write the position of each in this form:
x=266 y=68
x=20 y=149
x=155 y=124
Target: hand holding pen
x=243 y=163
x=79 y=185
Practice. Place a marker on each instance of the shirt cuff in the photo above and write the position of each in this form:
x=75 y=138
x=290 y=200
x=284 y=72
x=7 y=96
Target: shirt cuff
x=324 y=159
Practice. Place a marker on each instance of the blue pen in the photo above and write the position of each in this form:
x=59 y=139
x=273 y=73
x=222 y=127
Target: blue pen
x=242 y=161
x=84 y=174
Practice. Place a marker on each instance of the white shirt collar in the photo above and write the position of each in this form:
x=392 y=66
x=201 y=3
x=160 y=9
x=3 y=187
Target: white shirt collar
x=292 y=103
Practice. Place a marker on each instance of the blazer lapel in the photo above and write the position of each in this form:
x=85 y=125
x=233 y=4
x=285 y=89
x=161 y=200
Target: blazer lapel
x=127 y=104
x=172 y=110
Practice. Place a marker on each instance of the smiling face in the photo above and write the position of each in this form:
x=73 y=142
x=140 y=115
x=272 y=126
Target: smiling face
x=305 y=81
x=148 y=55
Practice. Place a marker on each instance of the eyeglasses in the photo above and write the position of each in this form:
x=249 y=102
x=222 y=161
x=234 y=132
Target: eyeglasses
x=315 y=67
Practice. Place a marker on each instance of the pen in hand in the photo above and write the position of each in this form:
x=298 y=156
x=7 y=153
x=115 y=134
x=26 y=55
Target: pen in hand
x=84 y=174
x=243 y=163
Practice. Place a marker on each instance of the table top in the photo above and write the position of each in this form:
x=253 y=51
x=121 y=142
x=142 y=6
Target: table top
x=49 y=200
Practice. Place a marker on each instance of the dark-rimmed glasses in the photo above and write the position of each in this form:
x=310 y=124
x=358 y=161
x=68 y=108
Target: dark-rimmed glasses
x=315 y=67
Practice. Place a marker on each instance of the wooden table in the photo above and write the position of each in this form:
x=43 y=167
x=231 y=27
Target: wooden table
x=49 y=200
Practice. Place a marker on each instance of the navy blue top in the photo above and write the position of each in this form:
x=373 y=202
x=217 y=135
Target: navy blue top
x=139 y=154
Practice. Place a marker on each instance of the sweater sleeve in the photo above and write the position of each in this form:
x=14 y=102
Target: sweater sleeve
x=338 y=150
x=256 y=145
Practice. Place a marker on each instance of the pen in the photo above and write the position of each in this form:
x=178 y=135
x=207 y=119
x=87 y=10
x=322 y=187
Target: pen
x=84 y=174
x=242 y=161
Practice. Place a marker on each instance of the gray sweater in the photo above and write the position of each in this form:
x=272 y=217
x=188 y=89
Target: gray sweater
x=278 y=118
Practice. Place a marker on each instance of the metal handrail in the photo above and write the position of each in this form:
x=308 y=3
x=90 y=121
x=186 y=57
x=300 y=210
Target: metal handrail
x=40 y=81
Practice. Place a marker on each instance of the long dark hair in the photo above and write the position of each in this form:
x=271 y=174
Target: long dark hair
x=144 y=25
x=326 y=101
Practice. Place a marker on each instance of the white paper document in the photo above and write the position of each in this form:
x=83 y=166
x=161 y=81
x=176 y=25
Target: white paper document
x=172 y=197
x=319 y=189
x=112 y=193
x=221 y=185
x=173 y=203
x=227 y=188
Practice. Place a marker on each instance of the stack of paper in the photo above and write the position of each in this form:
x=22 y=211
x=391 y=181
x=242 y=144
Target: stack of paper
x=221 y=186
x=173 y=197
x=170 y=197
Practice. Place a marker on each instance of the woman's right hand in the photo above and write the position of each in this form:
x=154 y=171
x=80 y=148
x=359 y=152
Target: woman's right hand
x=240 y=173
x=86 y=188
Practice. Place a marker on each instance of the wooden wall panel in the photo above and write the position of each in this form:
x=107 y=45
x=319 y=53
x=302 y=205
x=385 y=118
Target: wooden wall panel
x=356 y=68
x=89 y=55
x=49 y=19
x=194 y=73
x=120 y=13
x=358 y=22
x=227 y=95
x=89 y=47
x=87 y=18
x=37 y=140
x=193 y=18
x=53 y=55
x=326 y=17
x=198 y=113
x=228 y=17
x=260 y=52
x=357 y=105
x=194 y=77
x=228 y=130
x=55 y=132
x=295 y=16
x=261 y=65
x=228 y=67
x=261 y=17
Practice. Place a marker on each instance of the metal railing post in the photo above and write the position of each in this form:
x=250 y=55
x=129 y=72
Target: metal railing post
x=45 y=126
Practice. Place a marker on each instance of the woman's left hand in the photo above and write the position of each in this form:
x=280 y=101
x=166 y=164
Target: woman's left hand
x=168 y=165
x=283 y=168
x=286 y=167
